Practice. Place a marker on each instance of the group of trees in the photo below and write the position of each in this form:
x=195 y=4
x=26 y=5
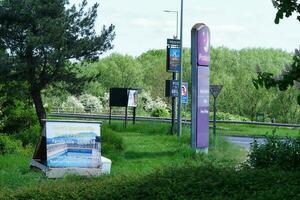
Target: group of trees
x=232 y=68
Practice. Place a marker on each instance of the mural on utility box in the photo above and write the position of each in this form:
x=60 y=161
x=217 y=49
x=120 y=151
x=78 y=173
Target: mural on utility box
x=71 y=144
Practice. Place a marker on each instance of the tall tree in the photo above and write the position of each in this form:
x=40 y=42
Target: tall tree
x=291 y=73
x=40 y=37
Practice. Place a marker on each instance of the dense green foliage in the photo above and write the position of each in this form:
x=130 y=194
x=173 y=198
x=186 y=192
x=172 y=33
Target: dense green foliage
x=111 y=141
x=276 y=153
x=286 y=8
x=8 y=145
x=204 y=182
x=232 y=68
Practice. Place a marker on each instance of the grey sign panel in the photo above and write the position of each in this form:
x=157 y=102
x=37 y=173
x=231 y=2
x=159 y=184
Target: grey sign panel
x=215 y=90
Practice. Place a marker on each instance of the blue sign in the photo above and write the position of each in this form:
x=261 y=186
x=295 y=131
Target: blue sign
x=184 y=93
x=173 y=60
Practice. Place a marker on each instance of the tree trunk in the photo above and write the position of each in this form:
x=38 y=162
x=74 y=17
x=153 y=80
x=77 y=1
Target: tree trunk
x=39 y=108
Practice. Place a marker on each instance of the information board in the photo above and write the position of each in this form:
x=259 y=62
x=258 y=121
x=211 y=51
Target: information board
x=200 y=59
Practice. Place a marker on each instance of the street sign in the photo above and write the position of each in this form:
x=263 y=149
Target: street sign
x=173 y=55
x=215 y=90
x=173 y=60
x=184 y=93
x=172 y=88
x=173 y=42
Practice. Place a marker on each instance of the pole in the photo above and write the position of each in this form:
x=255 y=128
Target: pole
x=173 y=109
x=176 y=24
x=180 y=74
x=215 y=115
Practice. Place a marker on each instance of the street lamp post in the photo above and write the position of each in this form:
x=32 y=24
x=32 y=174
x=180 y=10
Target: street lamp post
x=180 y=72
x=174 y=11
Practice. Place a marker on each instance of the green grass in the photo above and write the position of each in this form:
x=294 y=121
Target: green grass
x=255 y=130
x=189 y=182
x=147 y=147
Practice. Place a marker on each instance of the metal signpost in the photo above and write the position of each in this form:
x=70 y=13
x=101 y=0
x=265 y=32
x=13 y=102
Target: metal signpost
x=215 y=91
x=200 y=50
x=173 y=65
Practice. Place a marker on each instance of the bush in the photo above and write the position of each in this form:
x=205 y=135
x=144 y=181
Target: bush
x=188 y=182
x=8 y=146
x=91 y=103
x=29 y=136
x=275 y=153
x=160 y=112
x=110 y=141
x=72 y=104
x=228 y=116
x=17 y=116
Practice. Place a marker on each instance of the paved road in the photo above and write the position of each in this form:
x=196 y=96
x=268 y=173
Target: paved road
x=243 y=141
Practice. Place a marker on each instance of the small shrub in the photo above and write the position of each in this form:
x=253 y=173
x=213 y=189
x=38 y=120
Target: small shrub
x=275 y=153
x=8 y=146
x=228 y=116
x=29 y=136
x=91 y=103
x=72 y=104
x=160 y=112
x=110 y=141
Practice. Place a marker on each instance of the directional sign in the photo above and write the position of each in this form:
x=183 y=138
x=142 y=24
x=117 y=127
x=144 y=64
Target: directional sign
x=215 y=90
x=184 y=93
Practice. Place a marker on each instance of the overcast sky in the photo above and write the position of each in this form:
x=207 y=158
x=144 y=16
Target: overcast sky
x=142 y=25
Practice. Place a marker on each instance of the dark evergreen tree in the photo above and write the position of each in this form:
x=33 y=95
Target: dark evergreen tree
x=39 y=38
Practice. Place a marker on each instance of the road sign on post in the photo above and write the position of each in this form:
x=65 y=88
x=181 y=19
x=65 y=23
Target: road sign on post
x=200 y=50
x=172 y=88
x=173 y=55
x=215 y=91
x=184 y=93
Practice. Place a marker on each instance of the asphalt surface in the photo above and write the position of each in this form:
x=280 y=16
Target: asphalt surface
x=244 y=142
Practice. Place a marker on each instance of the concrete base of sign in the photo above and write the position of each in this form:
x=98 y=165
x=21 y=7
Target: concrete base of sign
x=61 y=172
x=106 y=165
x=202 y=150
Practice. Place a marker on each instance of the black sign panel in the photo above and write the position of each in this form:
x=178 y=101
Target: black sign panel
x=118 y=97
x=172 y=88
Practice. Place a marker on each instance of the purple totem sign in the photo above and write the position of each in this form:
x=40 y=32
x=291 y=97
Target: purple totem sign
x=200 y=86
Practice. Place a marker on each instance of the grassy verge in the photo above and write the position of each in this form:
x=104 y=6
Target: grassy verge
x=255 y=130
x=148 y=147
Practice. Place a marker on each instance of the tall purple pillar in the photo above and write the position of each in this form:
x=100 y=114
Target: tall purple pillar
x=200 y=50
